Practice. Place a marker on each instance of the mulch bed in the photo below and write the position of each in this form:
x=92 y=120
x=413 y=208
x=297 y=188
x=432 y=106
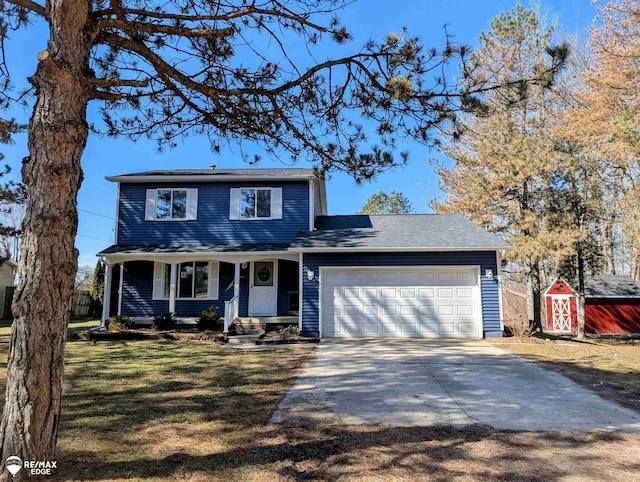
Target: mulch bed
x=275 y=338
x=96 y=335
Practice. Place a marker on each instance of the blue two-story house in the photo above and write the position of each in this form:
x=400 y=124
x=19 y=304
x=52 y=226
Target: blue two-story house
x=258 y=243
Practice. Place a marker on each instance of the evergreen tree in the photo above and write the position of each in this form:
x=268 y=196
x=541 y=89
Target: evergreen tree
x=383 y=203
x=503 y=163
x=97 y=284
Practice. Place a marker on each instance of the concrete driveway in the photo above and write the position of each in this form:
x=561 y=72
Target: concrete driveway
x=421 y=383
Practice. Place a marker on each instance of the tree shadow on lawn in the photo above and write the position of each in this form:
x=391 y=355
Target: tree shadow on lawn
x=315 y=451
x=618 y=383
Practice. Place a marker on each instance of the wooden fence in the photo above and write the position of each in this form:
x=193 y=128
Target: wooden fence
x=80 y=306
x=81 y=303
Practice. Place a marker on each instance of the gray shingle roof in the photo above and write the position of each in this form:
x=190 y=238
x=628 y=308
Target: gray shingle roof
x=218 y=174
x=412 y=231
x=193 y=248
x=609 y=286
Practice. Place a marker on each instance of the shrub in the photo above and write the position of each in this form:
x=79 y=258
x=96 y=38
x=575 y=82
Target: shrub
x=289 y=332
x=210 y=320
x=121 y=322
x=164 y=322
x=519 y=326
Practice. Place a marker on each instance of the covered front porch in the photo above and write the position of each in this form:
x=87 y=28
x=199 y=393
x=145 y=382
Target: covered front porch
x=255 y=286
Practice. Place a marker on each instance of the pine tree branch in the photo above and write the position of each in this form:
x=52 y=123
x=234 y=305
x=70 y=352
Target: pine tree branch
x=248 y=12
x=133 y=27
x=139 y=48
x=105 y=83
x=31 y=6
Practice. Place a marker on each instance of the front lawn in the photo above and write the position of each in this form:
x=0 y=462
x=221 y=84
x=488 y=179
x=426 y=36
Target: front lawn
x=165 y=410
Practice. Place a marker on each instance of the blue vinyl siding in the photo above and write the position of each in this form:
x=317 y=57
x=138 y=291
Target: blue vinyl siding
x=287 y=282
x=137 y=292
x=213 y=225
x=486 y=260
x=138 y=289
x=244 y=291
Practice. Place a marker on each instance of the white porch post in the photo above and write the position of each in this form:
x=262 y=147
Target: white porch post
x=106 y=297
x=236 y=280
x=120 y=289
x=173 y=288
x=300 y=288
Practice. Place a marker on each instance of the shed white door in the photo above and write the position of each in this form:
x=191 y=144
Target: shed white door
x=561 y=312
x=401 y=302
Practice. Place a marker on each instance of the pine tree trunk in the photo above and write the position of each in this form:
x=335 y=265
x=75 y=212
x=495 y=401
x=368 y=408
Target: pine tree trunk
x=532 y=275
x=608 y=251
x=581 y=297
x=635 y=266
x=58 y=133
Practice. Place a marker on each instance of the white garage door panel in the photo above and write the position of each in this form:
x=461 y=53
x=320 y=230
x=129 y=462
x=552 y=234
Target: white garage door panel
x=424 y=302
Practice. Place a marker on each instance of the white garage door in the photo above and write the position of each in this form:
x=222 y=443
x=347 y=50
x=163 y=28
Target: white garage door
x=401 y=302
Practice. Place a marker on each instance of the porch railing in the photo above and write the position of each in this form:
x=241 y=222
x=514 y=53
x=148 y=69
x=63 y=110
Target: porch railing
x=231 y=309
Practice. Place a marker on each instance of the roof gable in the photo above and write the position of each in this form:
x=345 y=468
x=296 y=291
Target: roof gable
x=559 y=287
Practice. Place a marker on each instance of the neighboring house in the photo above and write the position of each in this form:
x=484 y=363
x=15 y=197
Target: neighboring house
x=612 y=306
x=8 y=271
x=258 y=243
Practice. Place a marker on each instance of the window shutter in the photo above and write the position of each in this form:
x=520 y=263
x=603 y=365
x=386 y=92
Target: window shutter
x=214 y=274
x=158 y=282
x=192 y=204
x=234 y=205
x=276 y=203
x=150 y=206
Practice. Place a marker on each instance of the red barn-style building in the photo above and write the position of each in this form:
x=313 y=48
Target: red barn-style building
x=612 y=306
x=562 y=307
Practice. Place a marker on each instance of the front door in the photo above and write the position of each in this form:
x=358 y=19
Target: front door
x=263 y=288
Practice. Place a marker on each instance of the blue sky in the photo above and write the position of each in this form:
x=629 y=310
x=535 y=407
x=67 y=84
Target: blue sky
x=365 y=19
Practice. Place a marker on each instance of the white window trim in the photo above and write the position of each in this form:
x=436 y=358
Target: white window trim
x=209 y=279
x=256 y=218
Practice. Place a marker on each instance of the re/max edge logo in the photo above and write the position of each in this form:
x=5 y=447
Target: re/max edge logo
x=32 y=467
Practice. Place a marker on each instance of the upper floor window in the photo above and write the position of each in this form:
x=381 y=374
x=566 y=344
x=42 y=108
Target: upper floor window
x=165 y=204
x=171 y=204
x=256 y=203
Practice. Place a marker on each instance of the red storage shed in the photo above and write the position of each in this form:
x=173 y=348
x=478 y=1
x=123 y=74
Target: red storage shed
x=612 y=306
x=561 y=304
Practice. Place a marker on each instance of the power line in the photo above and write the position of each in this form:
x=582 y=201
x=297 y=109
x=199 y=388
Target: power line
x=92 y=237
x=96 y=214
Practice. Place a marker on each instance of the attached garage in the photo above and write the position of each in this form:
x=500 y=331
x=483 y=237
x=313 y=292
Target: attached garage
x=409 y=276
x=397 y=301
